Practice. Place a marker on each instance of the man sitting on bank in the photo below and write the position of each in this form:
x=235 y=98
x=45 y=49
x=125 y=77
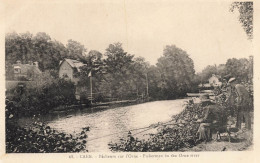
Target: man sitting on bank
x=213 y=119
x=204 y=132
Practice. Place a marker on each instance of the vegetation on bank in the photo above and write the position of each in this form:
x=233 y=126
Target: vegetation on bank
x=40 y=97
x=40 y=138
x=181 y=132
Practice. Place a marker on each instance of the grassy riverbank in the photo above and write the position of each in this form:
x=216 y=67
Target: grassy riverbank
x=180 y=134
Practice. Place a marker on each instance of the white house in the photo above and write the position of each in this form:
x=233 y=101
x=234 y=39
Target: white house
x=214 y=80
x=69 y=68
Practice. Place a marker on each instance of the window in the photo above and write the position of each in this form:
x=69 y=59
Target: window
x=65 y=75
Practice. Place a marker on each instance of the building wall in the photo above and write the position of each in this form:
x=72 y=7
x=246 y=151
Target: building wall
x=213 y=80
x=66 y=69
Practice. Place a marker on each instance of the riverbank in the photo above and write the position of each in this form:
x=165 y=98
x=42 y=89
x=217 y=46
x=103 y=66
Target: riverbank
x=39 y=137
x=96 y=106
x=180 y=134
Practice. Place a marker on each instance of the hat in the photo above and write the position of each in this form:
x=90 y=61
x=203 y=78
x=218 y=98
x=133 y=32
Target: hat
x=231 y=80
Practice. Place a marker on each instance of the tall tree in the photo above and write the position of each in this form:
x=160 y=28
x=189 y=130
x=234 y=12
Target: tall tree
x=140 y=77
x=177 y=71
x=118 y=64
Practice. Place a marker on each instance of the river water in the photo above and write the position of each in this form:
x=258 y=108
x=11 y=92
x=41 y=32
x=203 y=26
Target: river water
x=112 y=124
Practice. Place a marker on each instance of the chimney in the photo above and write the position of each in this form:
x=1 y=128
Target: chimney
x=36 y=64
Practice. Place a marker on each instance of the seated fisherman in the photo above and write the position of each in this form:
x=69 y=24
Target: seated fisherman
x=204 y=128
x=212 y=117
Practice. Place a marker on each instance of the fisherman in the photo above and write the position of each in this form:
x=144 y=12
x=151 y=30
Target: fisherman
x=214 y=120
x=204 y=132
x=242 y=103
x=230 y=98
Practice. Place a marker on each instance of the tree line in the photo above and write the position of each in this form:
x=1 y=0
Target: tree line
x=116 y=73
x=241 y=69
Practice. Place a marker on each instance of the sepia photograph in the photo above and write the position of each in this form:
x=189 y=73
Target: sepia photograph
x=128 y=76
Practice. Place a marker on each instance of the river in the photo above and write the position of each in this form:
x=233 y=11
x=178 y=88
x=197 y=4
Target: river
x=112 y=124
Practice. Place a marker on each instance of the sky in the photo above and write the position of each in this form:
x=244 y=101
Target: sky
x=206 y=30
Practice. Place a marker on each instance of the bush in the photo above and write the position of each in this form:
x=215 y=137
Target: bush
x=41 y=97
x=39 y=138
x=42 y=139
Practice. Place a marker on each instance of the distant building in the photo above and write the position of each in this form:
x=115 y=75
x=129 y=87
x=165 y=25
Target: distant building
x=26 y=71
x=69 y=69
x=214 y=80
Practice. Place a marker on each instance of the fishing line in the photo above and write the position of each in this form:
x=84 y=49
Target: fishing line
x=148 y=128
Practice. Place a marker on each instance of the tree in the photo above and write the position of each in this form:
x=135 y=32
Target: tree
x=140 y=76
x=177 y=71
x=246 y=11
x=118 y=75
x=238 y=68
x=76 y=50
x=207 y=72
x=18 y=47
x=155 y=83
x=93 y=68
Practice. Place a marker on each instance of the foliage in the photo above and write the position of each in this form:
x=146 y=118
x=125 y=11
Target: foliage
x=177 y=71
x=117 y=77
x=39 y=138
x=241 y=69
x=246 y=12
x=76 y=50
x=43 y=95
x=41 y=48
x=207 y=73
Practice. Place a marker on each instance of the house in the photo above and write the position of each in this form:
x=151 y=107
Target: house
x=26 y=71
x=69 y=69
x=214 y=80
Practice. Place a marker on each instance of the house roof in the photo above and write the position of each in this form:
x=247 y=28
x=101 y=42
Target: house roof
x=74 y=63
x=27 y=67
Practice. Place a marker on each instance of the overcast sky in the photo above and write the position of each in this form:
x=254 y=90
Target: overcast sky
x=207 y=31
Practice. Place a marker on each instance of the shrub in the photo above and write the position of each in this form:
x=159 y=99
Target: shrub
x=42 y=139
x=42 y=96
x=39 y=138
